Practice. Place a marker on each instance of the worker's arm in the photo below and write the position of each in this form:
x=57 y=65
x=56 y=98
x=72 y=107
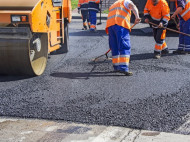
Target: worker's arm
x=135 y=11
x=146 y=13
x=165 y=16
x=178 y=10
x=180 y=6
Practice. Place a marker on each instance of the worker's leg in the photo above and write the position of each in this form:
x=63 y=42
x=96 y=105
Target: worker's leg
x=187 y=38
x=84 y=15
x=124 y=46
x=157 y=48
x=181 y=45
x=163 y=39
x=160 y=46
x=88 y=20
x=93 y=19
x=113 y=46
x=89 y=14
x=154 y=33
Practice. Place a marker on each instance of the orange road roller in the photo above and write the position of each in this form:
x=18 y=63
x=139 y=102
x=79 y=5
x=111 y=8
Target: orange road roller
x=29 y=31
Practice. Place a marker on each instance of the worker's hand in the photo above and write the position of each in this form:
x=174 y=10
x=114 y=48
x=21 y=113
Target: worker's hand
x=160 y=25
x=137 y=20
x=173 y=16
x=146 y=20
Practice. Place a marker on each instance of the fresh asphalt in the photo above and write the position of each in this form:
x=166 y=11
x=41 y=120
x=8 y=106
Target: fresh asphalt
x=75 y=89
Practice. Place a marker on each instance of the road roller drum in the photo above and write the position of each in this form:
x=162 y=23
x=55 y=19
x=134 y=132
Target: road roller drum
x=29 y=31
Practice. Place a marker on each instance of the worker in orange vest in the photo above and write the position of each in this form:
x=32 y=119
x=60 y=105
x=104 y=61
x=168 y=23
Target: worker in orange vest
x=93 y=9
x=118 y=28
x=183 y=12
x=83 y=7
x=158 y=12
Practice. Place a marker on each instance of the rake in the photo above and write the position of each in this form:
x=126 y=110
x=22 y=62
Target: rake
x=170 y=29
x=106 y=54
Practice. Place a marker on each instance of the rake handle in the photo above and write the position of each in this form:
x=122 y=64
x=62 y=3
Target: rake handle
x=175 y=22
x=133 y=25
x=171 y=29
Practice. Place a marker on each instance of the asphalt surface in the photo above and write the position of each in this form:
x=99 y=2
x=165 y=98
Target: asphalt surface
x=75 y=89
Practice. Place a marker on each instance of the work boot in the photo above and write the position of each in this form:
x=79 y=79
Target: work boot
x=115 y=71
x=187 y=52
x=165 y=51
x=84 y=28
x=93 y=30
x=179 y=52
x=157 y=56
x=127 y=73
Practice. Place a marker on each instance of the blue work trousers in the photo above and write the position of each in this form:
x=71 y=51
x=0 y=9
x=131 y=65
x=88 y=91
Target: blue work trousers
x=119 y=42
x=184 y=41
x=92 y=19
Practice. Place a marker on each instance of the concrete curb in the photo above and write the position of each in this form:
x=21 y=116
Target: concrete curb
x=33 y=130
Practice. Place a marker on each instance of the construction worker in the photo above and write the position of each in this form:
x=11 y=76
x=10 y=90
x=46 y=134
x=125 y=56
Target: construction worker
x=158 y=12
x=183 y=12
x=118 y=28
x=83 y=7
x=93 y=9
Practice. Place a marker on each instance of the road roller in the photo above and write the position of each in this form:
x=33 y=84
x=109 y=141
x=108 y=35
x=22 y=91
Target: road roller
x=29 y=31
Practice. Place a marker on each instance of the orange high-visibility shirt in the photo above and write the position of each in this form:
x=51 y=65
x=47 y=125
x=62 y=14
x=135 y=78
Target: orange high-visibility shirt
x=158 y=12
x=118 y=15
x=185 y=14
x=94 y=1
x=83 y=4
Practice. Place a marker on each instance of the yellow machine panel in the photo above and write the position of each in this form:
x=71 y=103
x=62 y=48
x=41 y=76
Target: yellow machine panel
x=18 y=3
x=29 y=30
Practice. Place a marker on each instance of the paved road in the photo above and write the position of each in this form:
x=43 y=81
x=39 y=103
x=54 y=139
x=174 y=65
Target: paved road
x=75 y=89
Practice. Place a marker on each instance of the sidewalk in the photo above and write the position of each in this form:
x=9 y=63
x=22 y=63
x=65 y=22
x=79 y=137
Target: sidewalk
x=33 y=130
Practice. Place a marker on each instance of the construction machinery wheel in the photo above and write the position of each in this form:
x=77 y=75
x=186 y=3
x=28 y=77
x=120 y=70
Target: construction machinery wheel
x=24 y=56
x=38 y=53
x=64 y=47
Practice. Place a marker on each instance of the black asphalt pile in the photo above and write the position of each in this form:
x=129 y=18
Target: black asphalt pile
x=75 y=89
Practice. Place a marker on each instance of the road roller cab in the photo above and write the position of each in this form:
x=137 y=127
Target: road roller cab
x=29 y=31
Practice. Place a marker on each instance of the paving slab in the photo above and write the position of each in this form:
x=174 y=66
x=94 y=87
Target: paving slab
x=35 y=130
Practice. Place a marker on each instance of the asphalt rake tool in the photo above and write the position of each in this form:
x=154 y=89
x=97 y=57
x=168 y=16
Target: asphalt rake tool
x=171 y=29
x=175 y=22
x=106 y=54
